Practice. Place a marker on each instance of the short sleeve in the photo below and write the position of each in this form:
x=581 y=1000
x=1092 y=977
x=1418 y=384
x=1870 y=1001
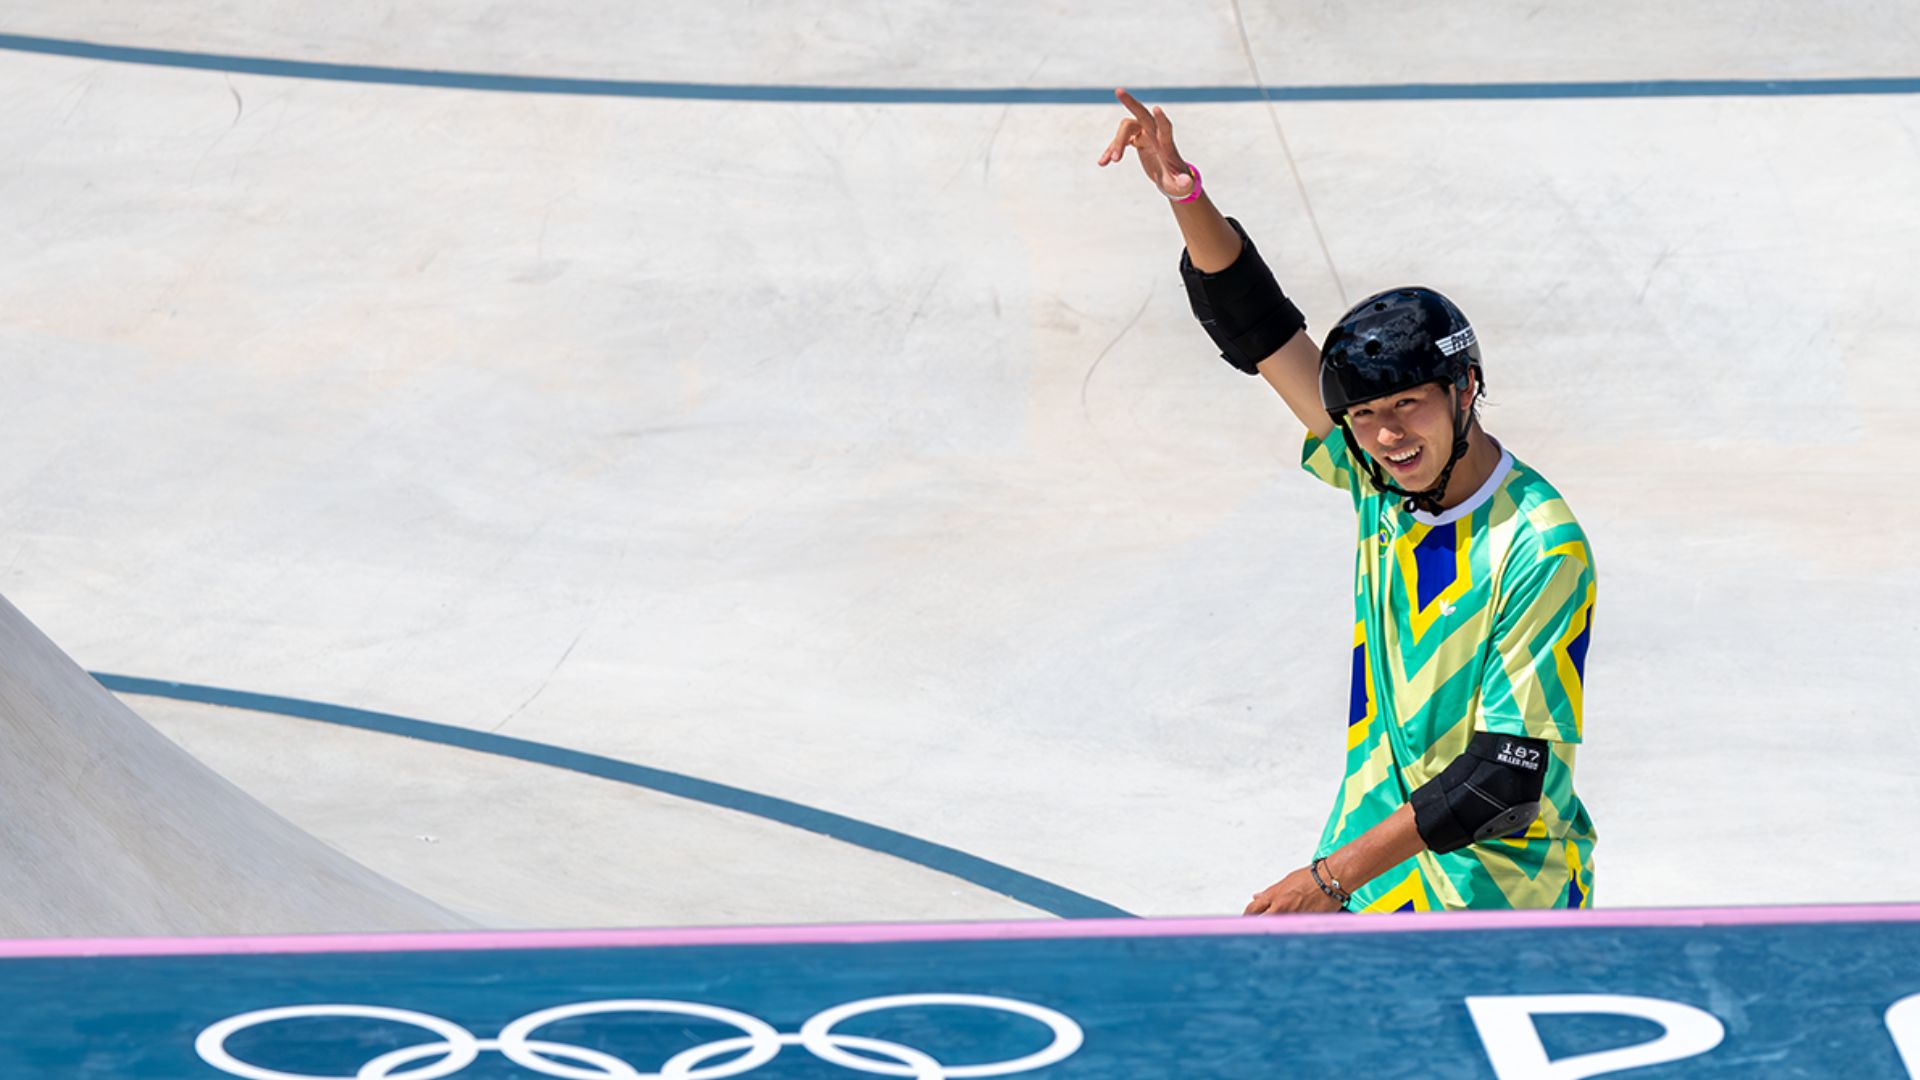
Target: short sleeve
x=1331 y=461
x=1536 y=669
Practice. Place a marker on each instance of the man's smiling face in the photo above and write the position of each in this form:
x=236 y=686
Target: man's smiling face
x=1410 y=434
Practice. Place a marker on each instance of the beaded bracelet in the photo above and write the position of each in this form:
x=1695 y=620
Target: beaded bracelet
x=1338 y=894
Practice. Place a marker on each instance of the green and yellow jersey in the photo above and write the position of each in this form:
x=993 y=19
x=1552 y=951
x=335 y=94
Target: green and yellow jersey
x=1476 y=619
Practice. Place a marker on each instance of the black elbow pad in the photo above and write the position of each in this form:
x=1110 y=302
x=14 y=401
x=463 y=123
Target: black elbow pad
x=1242 y=307
x=1491 y=790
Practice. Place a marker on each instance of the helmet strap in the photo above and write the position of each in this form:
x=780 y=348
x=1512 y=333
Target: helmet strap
x=1429 y=500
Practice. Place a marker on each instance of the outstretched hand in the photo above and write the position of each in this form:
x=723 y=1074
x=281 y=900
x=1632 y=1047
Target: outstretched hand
x=1150 y=134
x=1294 y=893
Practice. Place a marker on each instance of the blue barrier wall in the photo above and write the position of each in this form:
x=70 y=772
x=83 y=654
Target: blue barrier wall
x=1194 y=1000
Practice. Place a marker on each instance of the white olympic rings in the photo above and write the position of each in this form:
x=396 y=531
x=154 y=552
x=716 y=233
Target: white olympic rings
x=458 y=1048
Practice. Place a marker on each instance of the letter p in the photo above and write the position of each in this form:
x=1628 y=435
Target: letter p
x=1513 y=1044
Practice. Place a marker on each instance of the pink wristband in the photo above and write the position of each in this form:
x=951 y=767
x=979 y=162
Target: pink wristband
x=1195 y=193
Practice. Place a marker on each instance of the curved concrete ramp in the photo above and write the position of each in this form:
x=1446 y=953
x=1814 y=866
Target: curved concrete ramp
x=108 y=828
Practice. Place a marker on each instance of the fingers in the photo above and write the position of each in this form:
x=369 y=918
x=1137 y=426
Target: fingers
x=1150 y=132
x=1154 y=121
x=1163 y=135
x=1117 y=149
x=1133 y=105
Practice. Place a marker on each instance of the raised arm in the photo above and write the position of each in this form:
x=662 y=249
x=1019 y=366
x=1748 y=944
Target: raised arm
x=1220 y=260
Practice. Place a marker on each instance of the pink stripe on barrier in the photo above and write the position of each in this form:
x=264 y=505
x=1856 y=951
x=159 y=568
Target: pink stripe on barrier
x=1041 y=930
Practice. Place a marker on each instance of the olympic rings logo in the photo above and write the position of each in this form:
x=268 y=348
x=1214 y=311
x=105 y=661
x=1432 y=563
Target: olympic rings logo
x=757 y=1044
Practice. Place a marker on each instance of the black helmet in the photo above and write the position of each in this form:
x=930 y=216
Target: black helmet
x=1394 y=341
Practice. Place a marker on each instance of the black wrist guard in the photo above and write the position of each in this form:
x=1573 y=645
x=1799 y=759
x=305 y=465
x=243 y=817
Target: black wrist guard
x=1242 y=307
x=1491 y=790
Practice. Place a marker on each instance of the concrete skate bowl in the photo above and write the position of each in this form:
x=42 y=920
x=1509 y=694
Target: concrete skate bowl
x=773 y=401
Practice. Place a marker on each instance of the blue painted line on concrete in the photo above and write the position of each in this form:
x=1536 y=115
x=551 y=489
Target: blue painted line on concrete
x=1004 y=880
x=903 y=95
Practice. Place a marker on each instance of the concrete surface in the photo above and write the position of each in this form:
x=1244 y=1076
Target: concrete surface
x=513 y=845
x=865 y=455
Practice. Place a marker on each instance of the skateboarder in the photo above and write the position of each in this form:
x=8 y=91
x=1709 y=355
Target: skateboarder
x=1473 y=586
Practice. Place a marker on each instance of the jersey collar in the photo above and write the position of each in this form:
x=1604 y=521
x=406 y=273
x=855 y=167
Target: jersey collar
x=1475 y=501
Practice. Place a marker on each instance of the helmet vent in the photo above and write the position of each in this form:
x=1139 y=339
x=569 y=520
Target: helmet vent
x=1372 y=348
x=1379 y=307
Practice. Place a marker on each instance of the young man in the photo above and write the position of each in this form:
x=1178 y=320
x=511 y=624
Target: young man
x=1473 y=587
